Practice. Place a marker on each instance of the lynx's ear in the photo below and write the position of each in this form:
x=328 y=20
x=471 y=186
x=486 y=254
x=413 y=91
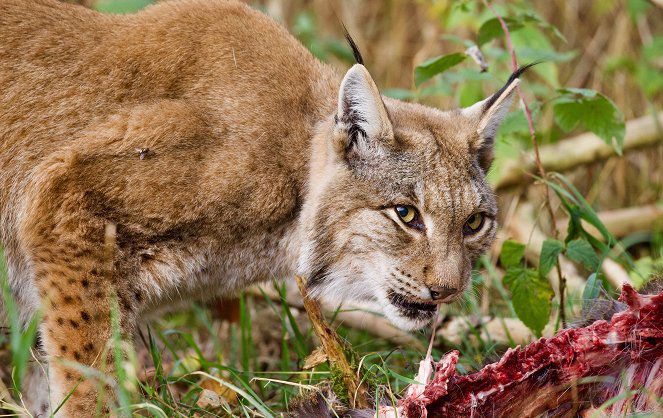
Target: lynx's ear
x=488 y=114
x=362 y=122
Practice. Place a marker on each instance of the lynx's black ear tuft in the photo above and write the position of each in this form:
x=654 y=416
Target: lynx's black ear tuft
x=487 y=115
x=355 y=49
x=516 y=75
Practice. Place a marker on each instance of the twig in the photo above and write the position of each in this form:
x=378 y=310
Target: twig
x=535 y=146
x=335 y=349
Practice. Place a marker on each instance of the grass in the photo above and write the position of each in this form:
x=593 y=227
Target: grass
x=253 y=365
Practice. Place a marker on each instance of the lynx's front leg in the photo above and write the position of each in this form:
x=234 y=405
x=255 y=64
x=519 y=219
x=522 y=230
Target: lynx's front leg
x=75 y=274
x=78 y=267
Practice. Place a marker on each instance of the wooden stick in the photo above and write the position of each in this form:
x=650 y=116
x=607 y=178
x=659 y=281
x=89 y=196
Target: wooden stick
x=582 y=149
x=561 y=291
x=335 y=348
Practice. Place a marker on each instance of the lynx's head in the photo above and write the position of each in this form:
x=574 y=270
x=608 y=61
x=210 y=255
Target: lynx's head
x=398 y=207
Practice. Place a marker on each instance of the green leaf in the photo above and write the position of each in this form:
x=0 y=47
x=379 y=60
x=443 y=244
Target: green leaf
x=594 y=111
x=592 y=287
x=578 y=207
x=492 y=29
x=121 y=6
x=511 y=254
x=581 y=251
x=550 y=250
x=400 y=94
x=531 y=296
x=528 y=17
x=470 y=92
x=434 y=66
x=637 y=7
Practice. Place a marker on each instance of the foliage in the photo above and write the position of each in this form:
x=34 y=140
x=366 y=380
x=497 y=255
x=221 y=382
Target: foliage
x=121 y=6
x=594 y=111
x=531 y=293
x=21 y=337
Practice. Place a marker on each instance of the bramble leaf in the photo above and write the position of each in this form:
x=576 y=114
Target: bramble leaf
x=550 y=250
x=434 y=66
x=581 y=251
x=492 y=29
x=511 y=254
x=531 y=295
x=594 y=111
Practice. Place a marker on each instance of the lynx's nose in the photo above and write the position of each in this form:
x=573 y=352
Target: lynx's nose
x=440 y=293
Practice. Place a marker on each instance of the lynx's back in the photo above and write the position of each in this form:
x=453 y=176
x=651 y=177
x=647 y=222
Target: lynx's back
x=64 y=68
x=70 y=76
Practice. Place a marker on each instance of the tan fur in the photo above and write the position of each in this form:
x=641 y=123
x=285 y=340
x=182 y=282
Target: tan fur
x=196 y=148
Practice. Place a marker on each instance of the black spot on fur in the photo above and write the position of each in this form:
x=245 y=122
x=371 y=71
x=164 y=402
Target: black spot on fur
x=126 y=306
x=73 y=323
x=39 y=342
x=85 y=316
x=88 y=347
x=68 y=300
x=85 y=283
x=77 y=356
x=317 y=278
x=63 y=349
x=60 y=321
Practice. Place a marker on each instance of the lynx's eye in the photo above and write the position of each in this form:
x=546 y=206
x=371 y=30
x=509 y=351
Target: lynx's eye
x=473 y=224
x=410 y=216
x=406 y=213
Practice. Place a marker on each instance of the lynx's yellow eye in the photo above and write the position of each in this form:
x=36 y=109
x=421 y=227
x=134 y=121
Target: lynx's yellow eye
x=473 y=224
x=406 y=213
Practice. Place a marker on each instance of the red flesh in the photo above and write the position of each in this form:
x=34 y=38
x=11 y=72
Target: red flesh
x=562 y=375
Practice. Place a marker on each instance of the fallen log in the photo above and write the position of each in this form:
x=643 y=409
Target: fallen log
x=582 y=149
x=622 y=222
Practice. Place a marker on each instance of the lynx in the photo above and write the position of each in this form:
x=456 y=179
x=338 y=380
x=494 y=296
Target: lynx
x=196 y=148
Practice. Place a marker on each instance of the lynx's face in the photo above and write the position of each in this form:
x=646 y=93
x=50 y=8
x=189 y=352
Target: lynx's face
x=398 y=208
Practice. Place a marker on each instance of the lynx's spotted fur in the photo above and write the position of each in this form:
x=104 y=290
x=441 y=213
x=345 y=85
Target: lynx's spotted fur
x=196 y=148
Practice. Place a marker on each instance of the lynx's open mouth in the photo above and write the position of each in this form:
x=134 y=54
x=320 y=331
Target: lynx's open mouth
x=411 y=309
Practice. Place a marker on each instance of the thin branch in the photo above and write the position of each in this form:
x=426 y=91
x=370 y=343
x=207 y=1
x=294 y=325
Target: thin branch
x=335 y=349
x=535 y=146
